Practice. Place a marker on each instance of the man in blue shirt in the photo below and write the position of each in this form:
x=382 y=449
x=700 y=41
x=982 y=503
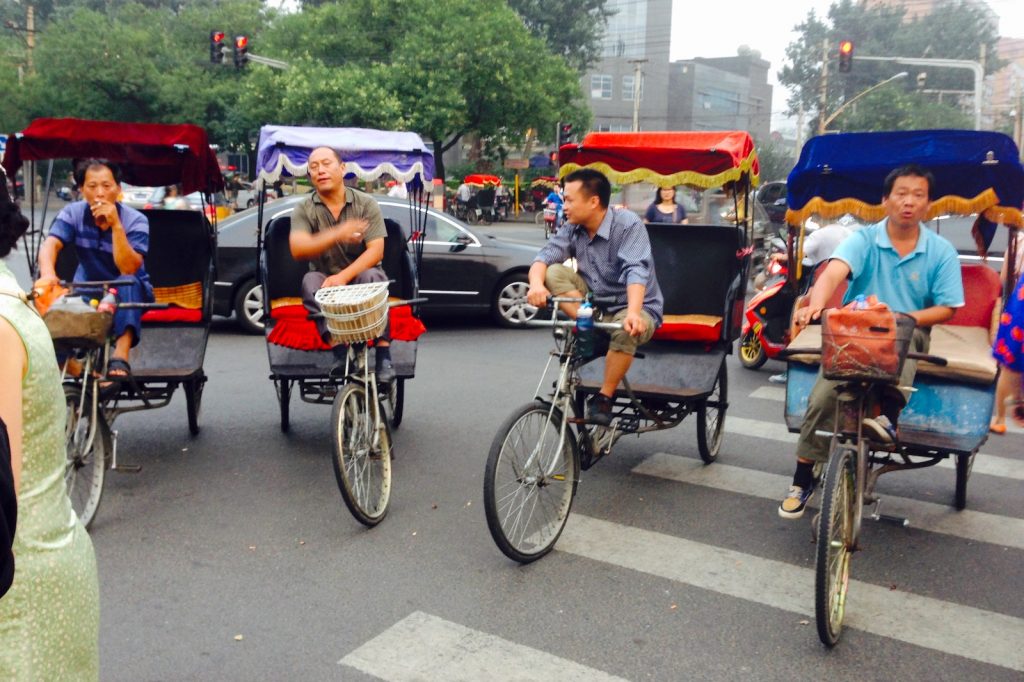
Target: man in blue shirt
x=110 y=240
x=909 y=268
x=613 y=256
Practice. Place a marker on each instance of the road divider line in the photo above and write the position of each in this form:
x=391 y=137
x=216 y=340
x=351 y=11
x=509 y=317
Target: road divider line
x=999 y=530
x=922 y=621
x=425 y=648
x=990 y=465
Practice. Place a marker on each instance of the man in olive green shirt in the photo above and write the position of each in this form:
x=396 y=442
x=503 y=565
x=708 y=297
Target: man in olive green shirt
x=341 y=232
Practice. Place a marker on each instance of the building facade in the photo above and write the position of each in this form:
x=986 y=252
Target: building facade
x=725 y=93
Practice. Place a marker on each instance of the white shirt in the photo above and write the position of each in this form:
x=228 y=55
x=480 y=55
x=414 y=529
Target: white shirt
x=821 y=243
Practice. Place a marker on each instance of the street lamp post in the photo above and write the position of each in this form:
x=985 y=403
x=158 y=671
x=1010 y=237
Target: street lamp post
x=824 y=125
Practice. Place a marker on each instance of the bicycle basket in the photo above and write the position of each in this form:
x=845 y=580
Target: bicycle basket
x=354 y=313
x=73 y=322
x=864 y=345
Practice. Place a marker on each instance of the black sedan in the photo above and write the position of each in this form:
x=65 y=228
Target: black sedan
x=464 y=271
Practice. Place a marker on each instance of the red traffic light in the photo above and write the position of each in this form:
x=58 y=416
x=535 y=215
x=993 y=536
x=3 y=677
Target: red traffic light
x=241 y=42
x=845 y=56
x=217 y=36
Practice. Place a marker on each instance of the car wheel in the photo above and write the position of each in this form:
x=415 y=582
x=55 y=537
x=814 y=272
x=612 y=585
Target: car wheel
x=250 y=203
x=249 y=307
x=509 y=307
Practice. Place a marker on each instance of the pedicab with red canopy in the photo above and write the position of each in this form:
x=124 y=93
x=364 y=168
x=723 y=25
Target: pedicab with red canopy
x=947 y=416
x=180 y=262
x=537 y=455
x=364 y=412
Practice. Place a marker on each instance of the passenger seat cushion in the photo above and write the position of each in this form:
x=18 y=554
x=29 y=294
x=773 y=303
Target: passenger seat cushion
x=690 y=328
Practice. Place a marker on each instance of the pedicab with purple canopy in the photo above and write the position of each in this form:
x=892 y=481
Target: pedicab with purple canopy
x=299 y=359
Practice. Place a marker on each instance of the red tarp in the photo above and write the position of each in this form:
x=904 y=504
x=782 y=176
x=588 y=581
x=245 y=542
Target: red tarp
x=481 y=179
x=703 y=159
x=149 y=154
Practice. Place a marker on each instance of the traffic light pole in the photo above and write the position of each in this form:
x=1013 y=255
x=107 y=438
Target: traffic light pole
x=974 y=67
x=823 y=86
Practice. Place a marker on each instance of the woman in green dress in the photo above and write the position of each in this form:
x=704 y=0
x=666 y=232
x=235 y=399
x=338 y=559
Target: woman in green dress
x=49 y=620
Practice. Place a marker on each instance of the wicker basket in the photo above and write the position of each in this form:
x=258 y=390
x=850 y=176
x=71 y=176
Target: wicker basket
x=864 y=345
x=354 y=313
x=73 y=322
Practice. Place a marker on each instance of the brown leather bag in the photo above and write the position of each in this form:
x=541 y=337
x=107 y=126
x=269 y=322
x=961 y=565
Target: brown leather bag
x=866 y=344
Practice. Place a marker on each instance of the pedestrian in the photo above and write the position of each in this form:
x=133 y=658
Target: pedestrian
x=1008 y=349
x=665 y=209
x=49 y=620
x=341 y=232
x=613 y=253
x=909 y=268
x=173 y=199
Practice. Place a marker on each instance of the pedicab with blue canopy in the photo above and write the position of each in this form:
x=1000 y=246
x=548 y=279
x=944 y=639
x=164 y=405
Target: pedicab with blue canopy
x=299 y=359
x=180 y=262
x=536 y=457
x=948 y=413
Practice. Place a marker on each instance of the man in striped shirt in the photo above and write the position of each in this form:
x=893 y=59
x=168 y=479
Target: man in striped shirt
x=614 y=261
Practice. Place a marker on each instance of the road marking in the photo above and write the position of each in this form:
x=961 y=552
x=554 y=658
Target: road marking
x=923 y=621
x=1004 y=531
x=775 y=393
x=422 y=647
x=990 y=465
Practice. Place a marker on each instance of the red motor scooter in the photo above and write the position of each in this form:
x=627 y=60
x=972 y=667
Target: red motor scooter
x=765 y=331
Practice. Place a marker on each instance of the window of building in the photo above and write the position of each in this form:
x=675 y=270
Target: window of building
x=600 y=86
x=627 y=88
x=720 y=101
x=627 y=29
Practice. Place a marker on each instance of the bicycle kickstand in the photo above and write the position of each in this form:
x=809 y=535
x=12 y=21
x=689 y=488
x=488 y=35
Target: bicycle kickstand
x=120 y=468
x=878 y=516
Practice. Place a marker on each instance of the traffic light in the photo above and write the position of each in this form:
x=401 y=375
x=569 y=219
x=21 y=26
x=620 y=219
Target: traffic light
x=241 y=50
x=216 y=47
x=845 y=56
x=564 y=134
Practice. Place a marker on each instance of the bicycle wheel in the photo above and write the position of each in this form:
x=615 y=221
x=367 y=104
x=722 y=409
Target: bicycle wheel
x=711 y=417
x=362 y=455
x=529 y=482
x=835 y=543
x=89 y=448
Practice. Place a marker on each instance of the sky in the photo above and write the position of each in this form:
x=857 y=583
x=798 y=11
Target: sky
x=700 y=30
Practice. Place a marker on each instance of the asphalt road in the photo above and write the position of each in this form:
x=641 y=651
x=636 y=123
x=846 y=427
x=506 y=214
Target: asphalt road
x=231 y=556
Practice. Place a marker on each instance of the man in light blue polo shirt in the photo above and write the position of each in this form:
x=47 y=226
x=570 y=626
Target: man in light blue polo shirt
x=909 y=268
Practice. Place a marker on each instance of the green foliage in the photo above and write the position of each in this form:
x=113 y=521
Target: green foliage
x=573 y=30
x=776 y=161
x=894 y=109
x=955 y=30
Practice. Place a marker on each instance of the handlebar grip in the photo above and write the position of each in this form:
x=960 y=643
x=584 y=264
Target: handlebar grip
x=933 y=359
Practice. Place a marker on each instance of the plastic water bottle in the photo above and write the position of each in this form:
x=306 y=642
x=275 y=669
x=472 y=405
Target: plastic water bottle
x=860 y=302
x=109 y=302
x=585 y=329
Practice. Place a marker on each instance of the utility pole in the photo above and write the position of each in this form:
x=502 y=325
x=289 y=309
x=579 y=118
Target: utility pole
x=638 y=75
x=823 y=87
x=800 y=128
x=30 y=35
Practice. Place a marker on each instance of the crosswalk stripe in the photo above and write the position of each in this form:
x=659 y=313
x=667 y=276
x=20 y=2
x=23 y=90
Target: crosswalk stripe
x=422 y=647
x=775 y=393
x=991 y=465
x=937 y=518
x=923 y=621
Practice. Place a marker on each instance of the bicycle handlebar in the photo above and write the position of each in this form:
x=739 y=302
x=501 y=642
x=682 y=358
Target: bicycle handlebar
x=787 y=353
x=566 y=324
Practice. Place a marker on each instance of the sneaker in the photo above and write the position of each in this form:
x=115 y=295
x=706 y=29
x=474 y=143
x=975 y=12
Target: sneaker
x=385 y=372
x=599 y=410
x=777 y=378
x=792 y=507
x=880 y=429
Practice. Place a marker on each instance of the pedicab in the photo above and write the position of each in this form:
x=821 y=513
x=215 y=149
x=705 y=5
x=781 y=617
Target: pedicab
x=949 y=410
x=535 y=459
x=482 y=206
x=180 y=263
x=364 y=412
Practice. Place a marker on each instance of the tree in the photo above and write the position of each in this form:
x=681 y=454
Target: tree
x=573 y=30
x=954 y=30
x=395 y=65
x=894 y=109
x=775 y=161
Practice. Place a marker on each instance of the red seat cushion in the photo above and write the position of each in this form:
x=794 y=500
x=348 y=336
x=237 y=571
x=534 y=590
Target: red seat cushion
x=981 y=291
x=705 y=328
x=173 y=314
